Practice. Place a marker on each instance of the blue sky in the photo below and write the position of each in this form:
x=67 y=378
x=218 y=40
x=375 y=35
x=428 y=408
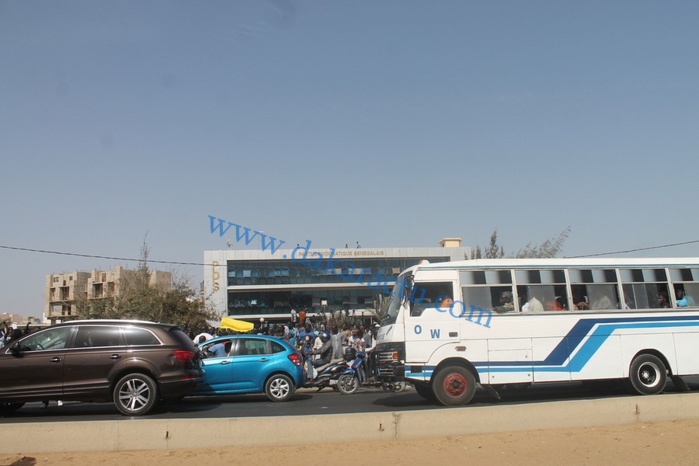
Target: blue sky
x=391 y=123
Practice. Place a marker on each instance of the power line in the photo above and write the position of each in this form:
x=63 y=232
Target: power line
x=91 y=256
x=129 y=259
x=637 y=249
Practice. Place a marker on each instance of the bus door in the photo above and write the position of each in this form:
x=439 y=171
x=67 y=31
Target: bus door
x=431 y=322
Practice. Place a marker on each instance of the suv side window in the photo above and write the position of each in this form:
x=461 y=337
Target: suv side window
x=140 y=337
x=50 y=339
x=94 y=336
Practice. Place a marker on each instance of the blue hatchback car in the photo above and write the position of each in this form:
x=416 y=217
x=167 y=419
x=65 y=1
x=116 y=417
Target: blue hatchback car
x=237 y=364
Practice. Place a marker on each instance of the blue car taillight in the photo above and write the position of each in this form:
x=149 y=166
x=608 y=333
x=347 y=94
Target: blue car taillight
x=296 y=359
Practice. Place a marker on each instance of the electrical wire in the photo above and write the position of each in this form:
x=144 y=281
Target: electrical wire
x=637 y=249
x=92 y=256
x=129 y=259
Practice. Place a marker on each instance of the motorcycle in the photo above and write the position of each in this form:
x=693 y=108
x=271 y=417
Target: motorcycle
x=351 y=379
x=325 y=376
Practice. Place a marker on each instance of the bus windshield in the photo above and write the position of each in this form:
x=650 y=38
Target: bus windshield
x=400 y=290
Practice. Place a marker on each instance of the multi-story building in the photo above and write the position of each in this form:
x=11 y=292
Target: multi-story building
x=64 y=289
x=255 y=284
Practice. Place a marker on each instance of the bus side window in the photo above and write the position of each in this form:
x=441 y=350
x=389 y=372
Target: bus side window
x=529 y=302
x=595 y=297
x=643 y=288
x=427 y=295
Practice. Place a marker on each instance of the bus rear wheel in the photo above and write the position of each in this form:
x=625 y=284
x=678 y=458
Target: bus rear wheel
x=454 y=386
x=647 y=375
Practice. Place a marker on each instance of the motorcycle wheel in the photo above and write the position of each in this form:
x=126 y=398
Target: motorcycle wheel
x=393 y=386
x=347 y=384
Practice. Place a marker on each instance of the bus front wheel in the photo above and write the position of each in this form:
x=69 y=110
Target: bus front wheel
x=454 y=386
x=647 y=375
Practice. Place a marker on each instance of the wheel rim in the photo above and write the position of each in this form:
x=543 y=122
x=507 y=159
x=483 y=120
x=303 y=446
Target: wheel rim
x=279 y=388
x=134 y=394
x=649 y=374
x=347 y=382
x=454 y=384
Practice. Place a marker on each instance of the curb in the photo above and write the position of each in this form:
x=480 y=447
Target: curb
x=175 y=434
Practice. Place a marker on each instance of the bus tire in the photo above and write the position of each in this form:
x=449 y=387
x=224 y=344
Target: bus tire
x=454 y=386
x=647 y=375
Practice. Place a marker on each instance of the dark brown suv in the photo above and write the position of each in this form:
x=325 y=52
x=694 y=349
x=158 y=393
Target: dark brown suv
x=133 y=363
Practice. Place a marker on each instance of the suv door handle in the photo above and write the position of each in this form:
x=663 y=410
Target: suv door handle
x=56 y=359
x=115 y=356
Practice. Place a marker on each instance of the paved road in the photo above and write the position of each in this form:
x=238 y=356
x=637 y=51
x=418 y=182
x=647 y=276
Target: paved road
x=306 y=402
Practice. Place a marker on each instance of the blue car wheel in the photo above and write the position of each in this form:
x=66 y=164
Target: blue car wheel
x=279 y=387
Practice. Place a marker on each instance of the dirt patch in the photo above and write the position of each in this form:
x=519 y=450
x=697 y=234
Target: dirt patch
x=636 y=444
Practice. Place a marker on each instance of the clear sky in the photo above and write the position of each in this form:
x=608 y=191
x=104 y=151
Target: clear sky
x=390 y=123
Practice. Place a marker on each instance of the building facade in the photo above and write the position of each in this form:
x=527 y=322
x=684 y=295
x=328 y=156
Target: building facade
x=63 y=290
x=254 y=285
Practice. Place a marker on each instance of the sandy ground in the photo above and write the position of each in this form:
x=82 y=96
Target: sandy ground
x=637 y=444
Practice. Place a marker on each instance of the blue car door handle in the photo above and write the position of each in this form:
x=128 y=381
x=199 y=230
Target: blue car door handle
x=264 y=359
x=224 y=362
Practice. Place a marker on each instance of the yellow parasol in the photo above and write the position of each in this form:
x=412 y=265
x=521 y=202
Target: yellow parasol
x=236 y=325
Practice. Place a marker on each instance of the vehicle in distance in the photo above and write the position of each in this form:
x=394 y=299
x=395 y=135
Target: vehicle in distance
x=239 y=364
x=135 y=364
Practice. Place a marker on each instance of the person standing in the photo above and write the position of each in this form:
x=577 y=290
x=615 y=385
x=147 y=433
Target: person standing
x=336 y=339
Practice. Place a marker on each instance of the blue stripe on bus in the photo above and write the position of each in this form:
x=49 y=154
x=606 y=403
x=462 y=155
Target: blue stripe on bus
x=581 y=330
x=555 y=361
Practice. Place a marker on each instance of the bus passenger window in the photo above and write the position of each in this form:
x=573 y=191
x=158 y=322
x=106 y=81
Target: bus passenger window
x=428 y=295
x=528 y=303
x=595 y=297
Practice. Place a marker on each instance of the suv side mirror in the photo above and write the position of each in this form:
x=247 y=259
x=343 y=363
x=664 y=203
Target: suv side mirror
x=15 y=348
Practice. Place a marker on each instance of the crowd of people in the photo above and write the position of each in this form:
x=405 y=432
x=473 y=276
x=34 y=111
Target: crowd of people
x=10 y=331
x=319 y=340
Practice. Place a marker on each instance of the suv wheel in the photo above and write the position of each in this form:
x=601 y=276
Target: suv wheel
x=135 y=394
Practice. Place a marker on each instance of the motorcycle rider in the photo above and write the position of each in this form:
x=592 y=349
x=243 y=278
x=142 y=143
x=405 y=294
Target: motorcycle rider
x=325 y=352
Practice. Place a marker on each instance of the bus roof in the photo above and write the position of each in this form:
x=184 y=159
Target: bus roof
x=559 y=263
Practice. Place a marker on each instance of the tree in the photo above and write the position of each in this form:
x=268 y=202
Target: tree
x=551 y=247
x=141 y=297
x=493 y=251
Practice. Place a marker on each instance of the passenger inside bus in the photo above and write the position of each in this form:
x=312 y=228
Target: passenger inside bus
x=533 y=305
x=506 y=302
x=580 y=303
x=663 y=301
x=683 y=300
x=445 y=301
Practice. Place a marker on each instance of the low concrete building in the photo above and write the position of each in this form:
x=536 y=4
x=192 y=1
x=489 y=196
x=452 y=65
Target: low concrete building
x=63 y=290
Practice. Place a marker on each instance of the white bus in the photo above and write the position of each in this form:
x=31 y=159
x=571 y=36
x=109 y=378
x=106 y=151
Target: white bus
x=450 y=327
